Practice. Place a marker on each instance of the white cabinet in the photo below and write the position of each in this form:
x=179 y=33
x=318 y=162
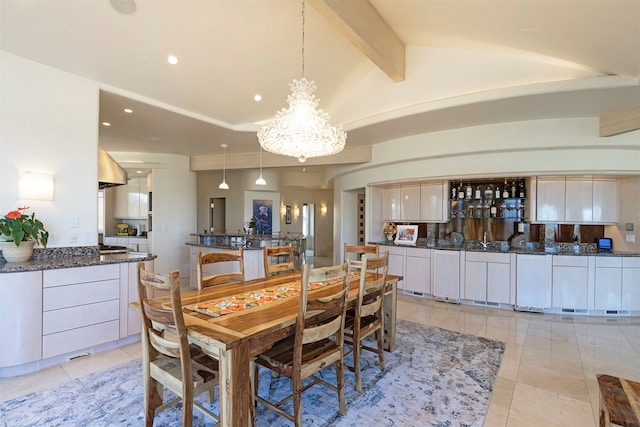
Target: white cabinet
x=608 y=283
x=570 y=282
x=578 y=199
x=445 y=267
x=550 y=199
x=396 y=262
x=533 y=281
x=401 y=203
x=488 y=277
x=410 y=202
x=80 y=308
x=434 y=201
x=631 y=283
x=391 y=198
x=132 y=200
x=605 y=200
x=20 y=318
x=417 y=276
x=130 y=320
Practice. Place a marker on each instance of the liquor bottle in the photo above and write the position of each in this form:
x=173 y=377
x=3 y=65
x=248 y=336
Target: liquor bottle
x=478 y=193
x=488 y=194
x=469 y=191
x=523 y=191
x=497 y=192
x=461 y=192
x=454 y=191
x=513 y=189
x=493 y=209
x=505 y=192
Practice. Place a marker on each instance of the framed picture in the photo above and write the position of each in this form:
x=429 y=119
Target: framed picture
x=262 y=212
x=407 y=235
x=287 y=215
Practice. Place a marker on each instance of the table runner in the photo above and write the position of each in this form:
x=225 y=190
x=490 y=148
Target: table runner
x=231 y=304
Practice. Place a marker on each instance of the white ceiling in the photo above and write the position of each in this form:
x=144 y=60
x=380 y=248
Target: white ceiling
x=468 y=62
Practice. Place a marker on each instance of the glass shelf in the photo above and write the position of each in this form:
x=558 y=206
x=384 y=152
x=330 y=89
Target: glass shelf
x=509 y=209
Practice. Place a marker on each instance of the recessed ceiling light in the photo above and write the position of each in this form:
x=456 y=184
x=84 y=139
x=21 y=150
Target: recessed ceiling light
x=138 y=171
x=154 y=138
x=258 y=97
x=106 y=124
x=128 y=110
x=172 y=60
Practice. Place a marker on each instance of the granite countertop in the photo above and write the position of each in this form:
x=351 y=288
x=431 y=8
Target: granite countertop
x=83 y=260
x=531 y=249
x=230 y=247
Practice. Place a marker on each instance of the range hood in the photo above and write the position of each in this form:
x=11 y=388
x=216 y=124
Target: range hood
x=110 y=173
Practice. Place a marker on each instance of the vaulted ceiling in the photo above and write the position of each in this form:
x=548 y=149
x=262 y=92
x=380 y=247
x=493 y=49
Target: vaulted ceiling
x=384 y=68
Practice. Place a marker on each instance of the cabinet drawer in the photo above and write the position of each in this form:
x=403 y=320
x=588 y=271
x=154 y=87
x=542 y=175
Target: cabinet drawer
x=631 y=262
x=393 y=250
x=608 y=262
x=416 y=252
x=67 y=276
x=81 y=294
x=80 y=316
x=488 y=257
x=77 y=339
x=570 y=261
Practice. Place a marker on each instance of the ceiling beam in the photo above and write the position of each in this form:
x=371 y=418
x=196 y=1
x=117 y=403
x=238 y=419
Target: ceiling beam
x=622 y=121
x=349 y=156
x=361 y=24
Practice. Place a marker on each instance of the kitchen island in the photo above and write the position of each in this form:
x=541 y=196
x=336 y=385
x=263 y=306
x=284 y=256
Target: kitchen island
x=557 y=279
x=65 y=303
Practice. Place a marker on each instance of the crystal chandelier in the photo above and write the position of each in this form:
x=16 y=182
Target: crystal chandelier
x=302 y=131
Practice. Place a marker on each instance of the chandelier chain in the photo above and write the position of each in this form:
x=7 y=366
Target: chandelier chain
x=303 y=38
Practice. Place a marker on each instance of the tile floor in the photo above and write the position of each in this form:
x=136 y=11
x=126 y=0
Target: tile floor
x=547 y=377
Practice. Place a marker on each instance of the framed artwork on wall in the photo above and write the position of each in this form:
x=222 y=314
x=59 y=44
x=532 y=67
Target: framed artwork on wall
x=407 y=235
x=262 y=212
x=287 y=215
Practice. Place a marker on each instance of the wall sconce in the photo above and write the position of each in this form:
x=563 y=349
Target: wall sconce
x=296 y=211
x=323 y=209
x=283 y=210
x=35 y=186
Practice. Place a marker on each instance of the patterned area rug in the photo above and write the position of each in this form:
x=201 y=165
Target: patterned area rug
x=435 y=377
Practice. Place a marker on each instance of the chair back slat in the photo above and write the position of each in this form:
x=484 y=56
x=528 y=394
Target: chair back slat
x=226 y=260
x=355 y=252
x=330 y=301
x=270 y=252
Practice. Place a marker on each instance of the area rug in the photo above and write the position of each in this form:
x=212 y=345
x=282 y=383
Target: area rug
x=435 y=377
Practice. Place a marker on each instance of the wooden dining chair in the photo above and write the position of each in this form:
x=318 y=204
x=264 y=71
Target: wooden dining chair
x=368 y=316
x=354 y=252
x=226 y=261
x=318 y=341
x=167 y=359
x=287 y=266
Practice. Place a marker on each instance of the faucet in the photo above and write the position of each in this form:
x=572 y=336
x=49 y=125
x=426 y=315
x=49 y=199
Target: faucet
x=484 y=242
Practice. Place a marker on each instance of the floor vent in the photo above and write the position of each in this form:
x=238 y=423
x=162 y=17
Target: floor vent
x=448 y=299
x=528 y=309
x=414 y=293
x=486 y=303
x=617 y=313
x=575 y=311
x=79 y=355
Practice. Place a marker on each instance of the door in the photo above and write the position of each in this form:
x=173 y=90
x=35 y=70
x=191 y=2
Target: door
x=217 y=216
x=309 y=227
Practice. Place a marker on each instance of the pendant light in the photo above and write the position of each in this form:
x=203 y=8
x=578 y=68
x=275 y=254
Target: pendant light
x=301 y=130
x=223 y=185
x=260 y=180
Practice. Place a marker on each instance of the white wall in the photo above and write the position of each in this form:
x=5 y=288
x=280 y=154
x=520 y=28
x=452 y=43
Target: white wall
x=174 y=216
x=49 y=124
x=567 y=146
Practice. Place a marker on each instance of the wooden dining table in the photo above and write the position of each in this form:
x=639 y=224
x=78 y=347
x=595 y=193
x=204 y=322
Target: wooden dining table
x=236 y=337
